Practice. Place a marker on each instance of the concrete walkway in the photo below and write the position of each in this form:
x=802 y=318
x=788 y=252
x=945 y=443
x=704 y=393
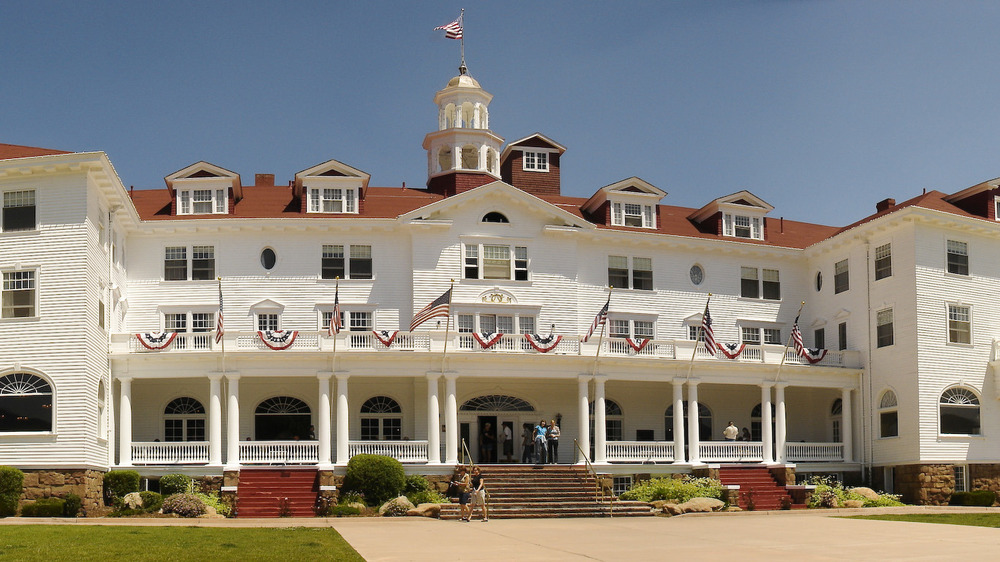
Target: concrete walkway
x=776 y=535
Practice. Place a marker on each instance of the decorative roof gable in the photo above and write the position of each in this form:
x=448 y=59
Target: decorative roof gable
x=204 y=172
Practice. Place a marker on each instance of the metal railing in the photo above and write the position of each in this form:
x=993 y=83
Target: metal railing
x=599 y=487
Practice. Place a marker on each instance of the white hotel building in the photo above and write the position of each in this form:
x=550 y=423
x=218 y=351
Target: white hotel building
x=904 y=300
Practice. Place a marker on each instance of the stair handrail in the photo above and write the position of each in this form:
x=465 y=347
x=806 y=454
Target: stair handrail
x=598 y=488
x=467 y=454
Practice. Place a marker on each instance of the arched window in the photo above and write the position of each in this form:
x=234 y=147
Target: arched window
x=613 y=420
x=836 y=417
x=282 y=418
x=381 y=418
x=184 y=420
x=756 y=427
x=494 y=216
x=959 y=412
x=470 y=157
x=449 y=122
x=468 y=114
x=25 y=403
x=704 y=422
x=444 y=159
x=888 y=415
x=496 y=403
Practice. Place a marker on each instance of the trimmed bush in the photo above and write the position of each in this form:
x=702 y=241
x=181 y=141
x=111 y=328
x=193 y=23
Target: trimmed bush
x=11 y=480
x=984 y=498
x=342 y=511
x=171 y=484
x=185 y=505
x=119 y=483
x=151 y=501
x=378 y=477
x=212 y=500
x=426 y=496
x=416 y=483
x=677 y=490
x=72 y=506
x=8 y=505
x=46 y=507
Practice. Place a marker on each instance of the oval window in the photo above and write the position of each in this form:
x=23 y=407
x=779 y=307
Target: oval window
x=268 y=258
x=697 y=274
x=819 y=280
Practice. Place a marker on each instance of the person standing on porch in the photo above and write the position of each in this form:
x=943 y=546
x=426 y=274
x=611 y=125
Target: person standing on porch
x=553 y=440
x=731 y=432
x=745 y=435
x=540 y=450
x=487 y=444
x=526 y=441
x=507 y=438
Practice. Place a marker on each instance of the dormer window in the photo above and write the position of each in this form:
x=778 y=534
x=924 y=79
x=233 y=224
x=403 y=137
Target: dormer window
x=333 y=200
x=632 y=214
x=742 y=226
x=536 y=161
x=202 y=201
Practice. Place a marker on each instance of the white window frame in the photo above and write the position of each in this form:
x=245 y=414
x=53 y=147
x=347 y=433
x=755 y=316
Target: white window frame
x=189 y=259
x=17 y=198
x=951 y=247
x=214 y=200
x=319 y=198
x=734 y=223
x=257 y=317
x=881 y=317
x=954 y=318
x=761 y=335
x=348 y=253
x=888 y=404
x=637 y=328
x=352 y=318
x=208 y=321
x=32 y=278
x=976 y=402
x=467 y=322
x=961 y=482
x=535 y=160
x=883 y=252
x=630 y=270
x=474 y=255
x=620 y=215
x=837 y=274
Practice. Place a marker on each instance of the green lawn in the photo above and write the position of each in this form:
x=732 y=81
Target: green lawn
x=973 y=519
x=52 y=543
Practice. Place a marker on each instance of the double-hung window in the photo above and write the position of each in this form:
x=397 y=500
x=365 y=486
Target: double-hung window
x=536 y=161
x=175 y=263
x=496 y=261
x=756 y=336
x=959 y=324
x=841 y=277
x=18 y=299
x=268 y=321
x=493 y=323
x=333 y=200
x=201 y=322
x=764 y=284
x=625 y=328
x=883 y=261
x=202 y=202
x=639 y=276
x=742 y=226
x=336 y=264
x=958 y=257
x=18 y=210
x=632 y=214
x=883 y=327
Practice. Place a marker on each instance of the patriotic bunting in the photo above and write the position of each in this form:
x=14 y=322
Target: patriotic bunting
x=543 y=344
x=731 y=350
x=156 y=340
x=385 y=336
x=812 y=354
x=486 y=339
x=638 y=345
x=278 y=339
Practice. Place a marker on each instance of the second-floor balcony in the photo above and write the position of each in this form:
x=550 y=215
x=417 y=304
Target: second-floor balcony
x=467 y=343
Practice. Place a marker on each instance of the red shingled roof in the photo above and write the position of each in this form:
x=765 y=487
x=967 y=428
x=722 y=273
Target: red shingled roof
x=931 y=200
x=10 y=151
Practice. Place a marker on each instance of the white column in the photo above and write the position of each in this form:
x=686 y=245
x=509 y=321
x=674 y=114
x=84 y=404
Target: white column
x=846 y=427
x=125 y=423
x=450 y=419
x=694 y=455
x=215 y=420
x=583 y=403
x=678 y=421
x=456 y=156
x=600 y=423
x=765 y=423
x=433 y=420
x=323 y=433
x=343 y=415
x=233 y=422
x=779 y=422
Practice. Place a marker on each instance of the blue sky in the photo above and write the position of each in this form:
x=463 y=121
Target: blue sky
x=821 y=108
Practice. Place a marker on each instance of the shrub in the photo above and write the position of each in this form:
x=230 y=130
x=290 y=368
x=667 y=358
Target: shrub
x=415 y=483
x=831 y=493
x=378 y=477
x=171 y=484
x=73 y=505
x=46 y=507
x=8 y=505
x=11 y=480
x=426 y=496
x=342 y=511
x=983 y=498
x=215 y=503
x=678 y=490
x=119 y=483
x=185 y=505
x=351 y=497
x=151 y=501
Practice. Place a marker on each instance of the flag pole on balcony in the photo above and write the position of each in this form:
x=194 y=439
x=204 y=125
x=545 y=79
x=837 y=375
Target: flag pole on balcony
x=704 y=330
x=602 y=320
x=795 y=336
x=335 y=326
x=447 y=325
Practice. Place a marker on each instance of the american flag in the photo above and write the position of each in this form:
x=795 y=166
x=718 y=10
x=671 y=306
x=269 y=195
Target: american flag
x=600 y=319
x=797 y=338
x=707 y=331
x=219 y=329
x=440 y=306
x=336 y=324
x=452 y=30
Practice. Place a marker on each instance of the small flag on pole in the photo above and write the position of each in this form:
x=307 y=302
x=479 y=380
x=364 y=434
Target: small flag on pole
x=601 y=318
x=219 y=325
x=707 y=331
x=440 y=306
x=797 y=338
x=452 y=30
x=336 y=323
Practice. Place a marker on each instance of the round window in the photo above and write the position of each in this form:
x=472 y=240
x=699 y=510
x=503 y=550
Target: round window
x=819 y=280
x=697 y=274
x=268 y=258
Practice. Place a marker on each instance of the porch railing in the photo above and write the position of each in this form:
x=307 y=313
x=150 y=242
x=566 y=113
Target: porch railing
x=404 y=341
x=516 y=343
x=188 y=452
x=279 y=452
x=403 y=451
x=731 y=451
x=640 y=451
x=805 y=452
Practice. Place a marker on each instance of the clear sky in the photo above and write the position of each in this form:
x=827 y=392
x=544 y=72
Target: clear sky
x=821 y=108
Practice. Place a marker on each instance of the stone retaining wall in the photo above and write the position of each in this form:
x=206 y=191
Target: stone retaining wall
x=88 y=484
x=925 y=484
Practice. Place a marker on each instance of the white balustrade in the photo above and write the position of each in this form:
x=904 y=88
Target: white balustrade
x=279 y=452
x=186 y=452
x=403 y=451
x=303 y=342
x=640 y=451
x=731 y=451
x=201 y=341
x=815 y=452
x=517 y=343
x=367 y=341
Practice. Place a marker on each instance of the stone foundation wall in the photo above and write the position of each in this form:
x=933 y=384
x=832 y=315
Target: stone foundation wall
x=784 y=475
x=984 y=477
x=88 y=484
x=925 y=484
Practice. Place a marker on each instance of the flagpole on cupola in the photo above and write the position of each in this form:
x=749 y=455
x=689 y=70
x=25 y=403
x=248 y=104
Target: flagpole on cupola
x=462 y=69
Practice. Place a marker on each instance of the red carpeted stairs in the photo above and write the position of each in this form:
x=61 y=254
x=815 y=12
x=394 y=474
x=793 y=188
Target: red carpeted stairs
x=277 y=492
x=524 y=491
x=757 y=486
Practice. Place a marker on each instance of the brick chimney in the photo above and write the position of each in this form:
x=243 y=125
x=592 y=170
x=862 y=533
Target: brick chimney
x=263 y=180
x=885 y=205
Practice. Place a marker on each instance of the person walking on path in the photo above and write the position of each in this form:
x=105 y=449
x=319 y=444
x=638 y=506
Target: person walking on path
x=461 y=483
x=479 y=494
x=553 y=440
x=540 y=450
x=731 y=432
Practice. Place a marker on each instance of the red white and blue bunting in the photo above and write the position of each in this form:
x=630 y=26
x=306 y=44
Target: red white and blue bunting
x=731 y=350
x=278 y=339
x=385 y=336
x=156 y=340
x=543 y=344
x=813 y=354
x=487 y=339
x=638 y=345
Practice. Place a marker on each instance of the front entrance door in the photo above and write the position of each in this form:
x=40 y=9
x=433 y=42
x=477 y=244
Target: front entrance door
x=487 y=439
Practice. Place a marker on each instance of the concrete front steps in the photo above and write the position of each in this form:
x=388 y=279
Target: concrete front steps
x=526 y=491
x=757 y=485
x=263 y=492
